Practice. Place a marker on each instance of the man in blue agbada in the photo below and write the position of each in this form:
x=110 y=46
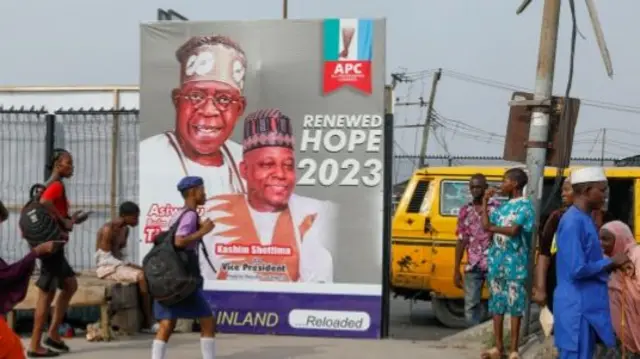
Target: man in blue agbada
x=581 y=299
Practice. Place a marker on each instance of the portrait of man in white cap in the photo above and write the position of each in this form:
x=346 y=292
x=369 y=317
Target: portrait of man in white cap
x=208 y=103
x=270 y=234
x=581 y=298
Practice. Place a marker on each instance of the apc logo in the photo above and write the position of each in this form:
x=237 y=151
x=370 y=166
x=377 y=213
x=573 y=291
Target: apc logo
x=348 y=47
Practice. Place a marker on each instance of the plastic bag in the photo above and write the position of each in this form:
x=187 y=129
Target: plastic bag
x=546 y=321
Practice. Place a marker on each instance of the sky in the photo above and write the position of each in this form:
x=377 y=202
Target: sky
x=483 y=47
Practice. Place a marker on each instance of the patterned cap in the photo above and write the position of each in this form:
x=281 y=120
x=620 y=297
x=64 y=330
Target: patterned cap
x=212 y=58
x=267 y=128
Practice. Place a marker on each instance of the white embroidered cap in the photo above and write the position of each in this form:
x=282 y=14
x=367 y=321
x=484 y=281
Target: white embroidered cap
x=212 y=58
x=588 y=174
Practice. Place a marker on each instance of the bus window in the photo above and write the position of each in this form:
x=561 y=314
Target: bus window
x=455 y=194
x=417 y=197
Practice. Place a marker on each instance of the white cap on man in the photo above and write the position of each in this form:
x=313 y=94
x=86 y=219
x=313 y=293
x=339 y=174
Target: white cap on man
x=588 y=174
x=212 y=58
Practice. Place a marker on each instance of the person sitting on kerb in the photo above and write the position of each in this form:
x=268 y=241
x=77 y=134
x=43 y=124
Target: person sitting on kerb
x=110 y=262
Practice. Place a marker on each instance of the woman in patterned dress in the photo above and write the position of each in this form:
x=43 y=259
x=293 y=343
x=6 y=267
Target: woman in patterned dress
x=512 y=226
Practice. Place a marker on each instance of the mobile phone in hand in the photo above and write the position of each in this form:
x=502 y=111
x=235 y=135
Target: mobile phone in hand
x=83 y=214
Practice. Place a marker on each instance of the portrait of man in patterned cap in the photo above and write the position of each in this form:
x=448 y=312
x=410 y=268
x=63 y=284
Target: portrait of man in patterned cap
x=208 y=102
x=270 y=233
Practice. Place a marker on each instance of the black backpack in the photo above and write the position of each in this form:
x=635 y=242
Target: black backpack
x=168 y=278
x=37 y=224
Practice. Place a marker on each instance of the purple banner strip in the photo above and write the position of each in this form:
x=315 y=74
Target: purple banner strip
x=319 y=315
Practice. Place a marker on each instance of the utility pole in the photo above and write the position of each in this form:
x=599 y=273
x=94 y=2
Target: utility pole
x=604 y=144
x=427 y=123
x=388 y=206
x=539 y=128
x=285 y=9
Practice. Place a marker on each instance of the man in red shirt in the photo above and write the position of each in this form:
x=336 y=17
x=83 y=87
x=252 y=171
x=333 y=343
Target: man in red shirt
x=55 y=271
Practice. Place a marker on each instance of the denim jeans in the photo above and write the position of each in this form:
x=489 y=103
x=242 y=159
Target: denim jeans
x=473 y=307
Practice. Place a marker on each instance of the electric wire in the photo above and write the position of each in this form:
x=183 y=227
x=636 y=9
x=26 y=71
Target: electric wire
x=444 y=127
x=603 y=105
x=442 y=124
x=593 y=145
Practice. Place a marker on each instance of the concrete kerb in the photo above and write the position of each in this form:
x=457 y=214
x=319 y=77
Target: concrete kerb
x=539 y=348
x=482 y=330
x=473 y=333
x=534 y=348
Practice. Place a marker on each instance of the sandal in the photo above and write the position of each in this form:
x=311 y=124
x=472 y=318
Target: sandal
x=47 y=353
x=514 y=355
x=493 y=353
x=56 y=345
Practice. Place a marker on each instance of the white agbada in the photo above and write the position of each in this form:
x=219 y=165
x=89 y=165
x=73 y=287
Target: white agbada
x=162 y=162
x=163 y=165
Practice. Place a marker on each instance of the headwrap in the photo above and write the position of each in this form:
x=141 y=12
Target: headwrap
x=624 y=286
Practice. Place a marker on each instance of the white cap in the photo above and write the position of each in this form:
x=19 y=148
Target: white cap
x=215 y=63
x=588 y=174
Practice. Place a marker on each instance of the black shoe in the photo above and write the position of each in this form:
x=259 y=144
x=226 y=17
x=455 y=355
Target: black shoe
x=46 y=354
x=56 y=345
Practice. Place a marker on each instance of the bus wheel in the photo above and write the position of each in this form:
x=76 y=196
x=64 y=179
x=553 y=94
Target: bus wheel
x=449 y=312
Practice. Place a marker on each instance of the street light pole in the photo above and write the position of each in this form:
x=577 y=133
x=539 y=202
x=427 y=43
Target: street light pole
x=539 y=127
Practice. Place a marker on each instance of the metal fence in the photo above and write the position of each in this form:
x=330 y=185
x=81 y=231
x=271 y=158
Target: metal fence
x=22 y=148
x=104 y=144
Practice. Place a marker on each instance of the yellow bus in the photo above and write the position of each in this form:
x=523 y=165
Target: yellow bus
x=423 y=229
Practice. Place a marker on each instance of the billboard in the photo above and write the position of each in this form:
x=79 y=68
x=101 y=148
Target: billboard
x=284 y=122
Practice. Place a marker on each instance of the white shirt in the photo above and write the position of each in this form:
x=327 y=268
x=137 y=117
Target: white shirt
x=265 y=223
x=162 y=167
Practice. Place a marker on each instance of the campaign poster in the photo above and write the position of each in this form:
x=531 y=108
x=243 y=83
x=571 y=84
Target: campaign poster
x=284 y=122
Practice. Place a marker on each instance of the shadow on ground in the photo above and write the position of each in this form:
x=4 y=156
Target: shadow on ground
x=273 y=353
x=408 y=322
x=415 y=322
